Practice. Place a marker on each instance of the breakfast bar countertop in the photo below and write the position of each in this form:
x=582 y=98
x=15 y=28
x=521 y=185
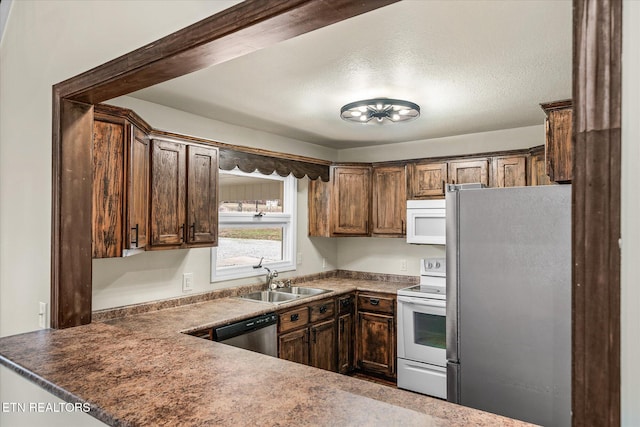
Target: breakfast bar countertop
x=143 y=369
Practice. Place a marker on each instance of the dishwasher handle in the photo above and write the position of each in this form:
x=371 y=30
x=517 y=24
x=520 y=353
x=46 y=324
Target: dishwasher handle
x=244 y=326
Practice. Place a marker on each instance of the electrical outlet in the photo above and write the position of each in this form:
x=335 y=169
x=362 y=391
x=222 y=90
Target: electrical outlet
x=299 y=258
x=187 y=282
x=403 y=265
x=42 y=314
x=324 y=263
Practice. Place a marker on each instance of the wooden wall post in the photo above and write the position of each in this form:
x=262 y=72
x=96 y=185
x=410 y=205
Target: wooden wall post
x=596 y=212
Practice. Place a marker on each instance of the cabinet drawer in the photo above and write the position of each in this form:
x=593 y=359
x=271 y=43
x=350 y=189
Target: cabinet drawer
x=322 y=310
x=346 y=304
x=294 y=319
x=372 y=302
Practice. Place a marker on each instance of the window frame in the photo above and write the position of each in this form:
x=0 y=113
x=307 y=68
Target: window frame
x=287 y=219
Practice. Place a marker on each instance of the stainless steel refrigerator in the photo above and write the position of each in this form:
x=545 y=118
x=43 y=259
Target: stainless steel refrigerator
x=509 y=301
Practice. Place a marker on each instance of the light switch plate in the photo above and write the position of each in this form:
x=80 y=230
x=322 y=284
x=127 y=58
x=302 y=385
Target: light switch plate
x=42 y=315
x=187 y=282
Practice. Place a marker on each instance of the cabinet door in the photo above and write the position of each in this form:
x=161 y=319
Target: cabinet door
x=322 y=346
x=428 y=180
x=537 y=171
x=345 y=343
x=108 y=188
x=168 y=179
x=350 y=200
x=319 y=208
x=559 y=128
x=138 y=191
x=202 y=195
x=376 y=343
x=469 y=171
x=294 y=346
x=510 y=171
x=389 y=201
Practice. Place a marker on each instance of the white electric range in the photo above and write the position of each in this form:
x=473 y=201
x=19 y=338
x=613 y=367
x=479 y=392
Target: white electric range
x=422 y=360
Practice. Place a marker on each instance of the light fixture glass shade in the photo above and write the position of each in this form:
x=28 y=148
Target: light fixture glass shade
x=383 y=110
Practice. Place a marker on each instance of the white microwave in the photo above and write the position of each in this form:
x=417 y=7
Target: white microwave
x=426 y=222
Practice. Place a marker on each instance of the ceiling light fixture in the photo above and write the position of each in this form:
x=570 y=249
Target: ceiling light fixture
x=383 y=110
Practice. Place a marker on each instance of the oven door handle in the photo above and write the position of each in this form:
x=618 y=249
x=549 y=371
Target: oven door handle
x=423 y=301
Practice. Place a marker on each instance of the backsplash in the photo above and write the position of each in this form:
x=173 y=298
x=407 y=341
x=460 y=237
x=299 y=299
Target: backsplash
x=133 y=309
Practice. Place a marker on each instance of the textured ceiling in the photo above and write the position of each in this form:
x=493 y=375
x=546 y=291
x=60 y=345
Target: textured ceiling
x=472 y=66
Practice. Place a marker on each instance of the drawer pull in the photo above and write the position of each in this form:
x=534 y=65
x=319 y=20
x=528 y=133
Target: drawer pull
x=346 y=302
x=323 y=309
x=295 y=317
x=374 y=301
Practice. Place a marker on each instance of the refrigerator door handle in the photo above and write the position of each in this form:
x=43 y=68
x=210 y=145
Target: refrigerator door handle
x=452 y=198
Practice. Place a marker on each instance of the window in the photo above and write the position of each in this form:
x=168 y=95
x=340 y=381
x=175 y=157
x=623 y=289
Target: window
x=256 y=215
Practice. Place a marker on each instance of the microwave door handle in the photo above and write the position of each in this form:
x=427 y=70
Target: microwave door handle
x=422 y=301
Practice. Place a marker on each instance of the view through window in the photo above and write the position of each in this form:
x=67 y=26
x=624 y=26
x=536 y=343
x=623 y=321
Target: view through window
x=256 y=214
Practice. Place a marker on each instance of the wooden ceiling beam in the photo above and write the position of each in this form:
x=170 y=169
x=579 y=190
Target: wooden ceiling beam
x=231 y=33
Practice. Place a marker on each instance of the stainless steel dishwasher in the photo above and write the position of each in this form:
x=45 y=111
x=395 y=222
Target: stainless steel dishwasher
x=257 y=334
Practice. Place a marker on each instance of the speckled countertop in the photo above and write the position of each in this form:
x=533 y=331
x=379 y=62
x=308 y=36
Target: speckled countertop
x=140 y=370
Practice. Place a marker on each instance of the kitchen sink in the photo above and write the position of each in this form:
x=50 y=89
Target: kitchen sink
x=280 y=295
x=269 y=296
x=298 y=290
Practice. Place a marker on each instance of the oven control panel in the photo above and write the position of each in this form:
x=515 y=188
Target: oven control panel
x=433 y=267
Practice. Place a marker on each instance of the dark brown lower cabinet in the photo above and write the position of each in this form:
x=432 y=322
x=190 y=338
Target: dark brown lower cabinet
x=314 y=335
x=376 y=343
x=294 y=346
x=346 y=333
x=345 y=343
x=322 y=345
x=308 y=335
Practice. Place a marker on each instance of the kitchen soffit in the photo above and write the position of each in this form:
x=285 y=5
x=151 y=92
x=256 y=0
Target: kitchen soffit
x=472 y=66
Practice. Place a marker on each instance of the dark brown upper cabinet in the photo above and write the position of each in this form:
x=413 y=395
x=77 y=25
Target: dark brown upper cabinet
x=509 y=171
x=537 y=174
x=202 y=195
x=558 y=144
x=120 y=187
x=389 y=201
x=469 y=171
x=183 y=195
x=427 y=179
x=138 y=184
x=350 y=199
x=341 y=207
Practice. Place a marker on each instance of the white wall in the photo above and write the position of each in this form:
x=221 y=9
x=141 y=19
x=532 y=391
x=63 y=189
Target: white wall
x=383 y=255
x=506 y=139
x=46 y=42
x=630 y=298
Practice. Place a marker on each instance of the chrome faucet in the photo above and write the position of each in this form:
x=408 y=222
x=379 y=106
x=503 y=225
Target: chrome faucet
x=270 y=276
